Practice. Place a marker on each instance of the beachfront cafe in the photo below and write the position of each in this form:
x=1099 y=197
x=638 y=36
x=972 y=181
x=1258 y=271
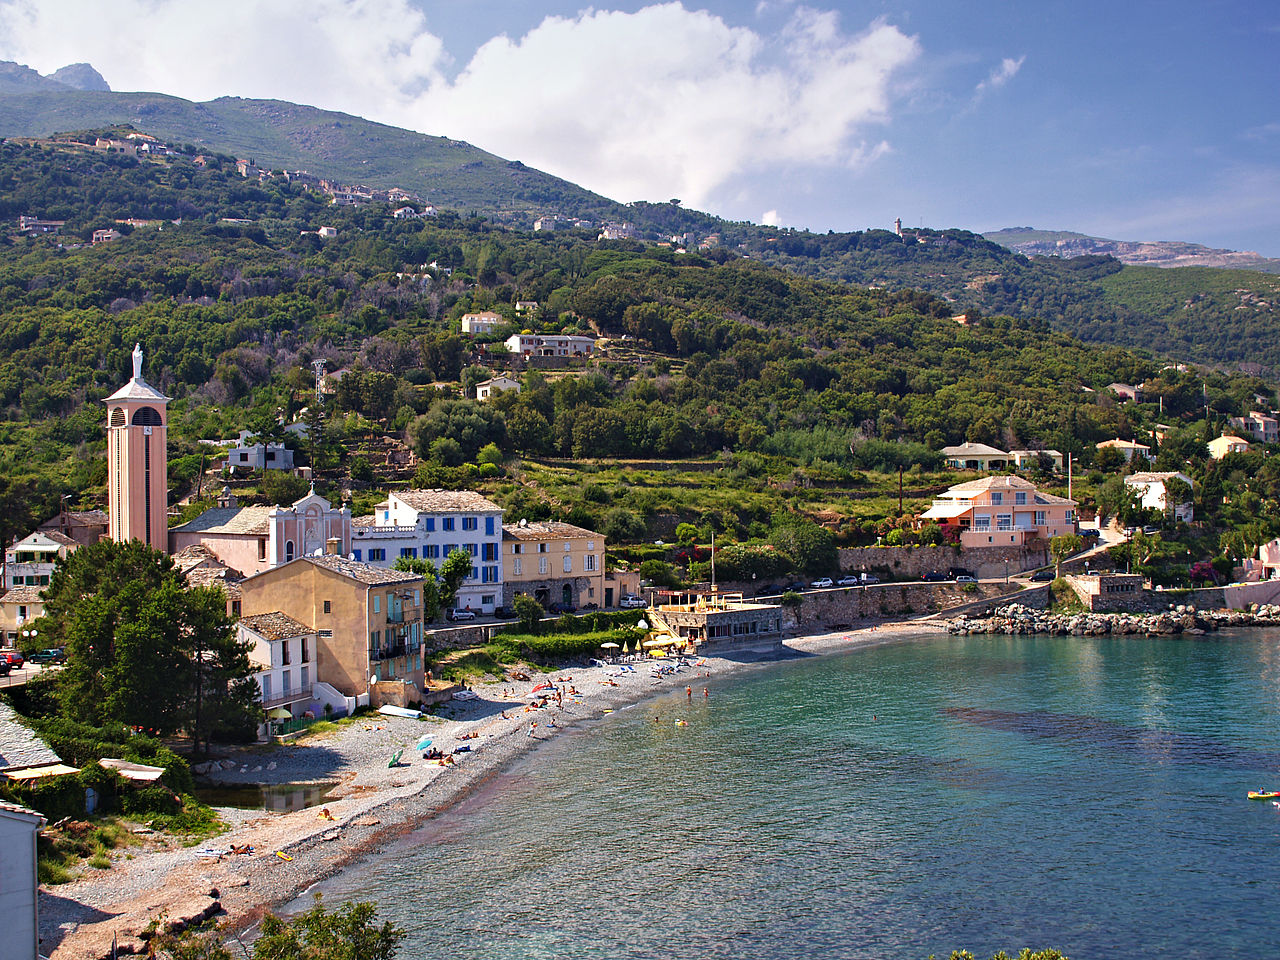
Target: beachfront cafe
x=715 y=622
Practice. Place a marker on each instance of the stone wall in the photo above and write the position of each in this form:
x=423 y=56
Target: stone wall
x=913 y=562
x=833 y=609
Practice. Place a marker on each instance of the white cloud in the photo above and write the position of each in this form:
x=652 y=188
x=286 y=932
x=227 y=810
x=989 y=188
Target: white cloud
x=661 y=102
x=769 y=218
x=1001 y=75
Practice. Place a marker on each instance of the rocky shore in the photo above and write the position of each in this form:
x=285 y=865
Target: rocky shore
x=1183 y=619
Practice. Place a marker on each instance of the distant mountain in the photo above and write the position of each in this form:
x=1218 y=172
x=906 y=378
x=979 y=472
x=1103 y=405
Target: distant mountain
x=1159 y=253
x=19 y=78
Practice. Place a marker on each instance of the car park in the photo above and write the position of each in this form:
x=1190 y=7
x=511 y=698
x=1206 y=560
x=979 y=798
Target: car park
x=1042 y=576
x=459 y=615
x=823 y=582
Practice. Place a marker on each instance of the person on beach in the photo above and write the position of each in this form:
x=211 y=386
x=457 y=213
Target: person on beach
x=705 y=693
x=689 y=692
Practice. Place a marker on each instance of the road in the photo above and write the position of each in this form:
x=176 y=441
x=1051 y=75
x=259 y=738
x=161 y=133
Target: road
x=17 y=678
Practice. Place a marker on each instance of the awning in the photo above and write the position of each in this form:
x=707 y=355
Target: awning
x=37 y=773
x=138 y=772
x=946 y=511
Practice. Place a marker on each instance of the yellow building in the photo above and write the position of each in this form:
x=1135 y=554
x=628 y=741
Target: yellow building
x=1219 y=447
x=556 y=563
x=368 y=623
x=18 y=607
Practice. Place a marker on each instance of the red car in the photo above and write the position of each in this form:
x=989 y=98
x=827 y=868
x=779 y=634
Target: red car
x=13 y=658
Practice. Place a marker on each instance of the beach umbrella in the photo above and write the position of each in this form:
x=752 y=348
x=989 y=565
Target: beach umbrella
x=280 y=713
x=610 y=645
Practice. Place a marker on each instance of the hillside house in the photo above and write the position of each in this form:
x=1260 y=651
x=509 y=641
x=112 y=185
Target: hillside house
x=1150 y=488
x=495 y=385
x=283 y=650
x=1219 y=447
x=1002 y=511
x=85 y=527
x=1031 y=459
x=1128 y=449
x=1263 y=427
x=550 y=345
x=30 y=561
x=18 y=607
x=406 y=213
x=1125 y=391
x=35 y=225
x=975 y=456
x=484 y=322
x=106 y=236
x=526 y=306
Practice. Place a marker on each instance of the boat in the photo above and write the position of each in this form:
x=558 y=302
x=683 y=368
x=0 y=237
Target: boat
x=387 y=710
x=1264 y=794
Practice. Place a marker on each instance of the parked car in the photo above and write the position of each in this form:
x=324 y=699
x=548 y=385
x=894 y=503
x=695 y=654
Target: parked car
x=955 y=573
x=1090 y=533
x=13 y=658
x=562 y=608
x=4 y=668
x=457 y=615
x=53 y=655
x=965 y=578
x=870 y=578
x=1042 y=576
x=769 y=590
x=630 y=601
x=933 y=576
x=798 y=586
x=848 y=581
x=822 y=582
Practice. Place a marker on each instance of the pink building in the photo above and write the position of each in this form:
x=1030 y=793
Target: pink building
x=1002 y=511
x=254 y=539
x=137 y=464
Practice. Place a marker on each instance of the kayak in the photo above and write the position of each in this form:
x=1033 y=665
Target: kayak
x=1264 y=794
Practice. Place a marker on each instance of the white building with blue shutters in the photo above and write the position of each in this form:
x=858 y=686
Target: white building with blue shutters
x=431 y=524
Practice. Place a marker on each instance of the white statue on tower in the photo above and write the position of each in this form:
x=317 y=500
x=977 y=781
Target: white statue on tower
x=137 y=361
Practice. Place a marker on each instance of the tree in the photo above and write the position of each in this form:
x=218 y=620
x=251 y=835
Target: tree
x=1062 y=547
x=809 y=547
x=1176 y=492
x=348 y=933
x=455 y=569
x=529 y=611
x=143 y=649
x=430 y=584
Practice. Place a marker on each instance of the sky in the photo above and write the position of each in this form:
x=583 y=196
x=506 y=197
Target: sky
x=1133 y=120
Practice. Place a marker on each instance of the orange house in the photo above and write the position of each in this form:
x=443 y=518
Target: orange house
x=1002 y=511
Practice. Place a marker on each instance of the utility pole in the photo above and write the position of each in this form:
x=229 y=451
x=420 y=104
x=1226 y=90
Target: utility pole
x=899 y=489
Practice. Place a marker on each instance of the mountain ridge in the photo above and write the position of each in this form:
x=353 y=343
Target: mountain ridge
x=1145 y=253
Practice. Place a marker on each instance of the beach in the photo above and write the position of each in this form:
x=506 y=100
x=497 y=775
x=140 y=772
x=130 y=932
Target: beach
x=374 y=801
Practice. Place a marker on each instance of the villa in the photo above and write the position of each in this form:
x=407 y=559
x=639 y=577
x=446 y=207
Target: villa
x=1002 y=511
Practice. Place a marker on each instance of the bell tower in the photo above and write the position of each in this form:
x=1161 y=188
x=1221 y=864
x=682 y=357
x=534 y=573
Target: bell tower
x=137 y=461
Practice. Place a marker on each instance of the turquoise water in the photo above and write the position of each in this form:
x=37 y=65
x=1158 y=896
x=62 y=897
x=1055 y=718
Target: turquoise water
x=984 y=792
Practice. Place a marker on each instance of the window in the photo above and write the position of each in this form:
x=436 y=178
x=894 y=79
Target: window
x=431 y=550
x=449 y=548
x=474 y=573
x=515 y=549
x=591 y=544
x=1004 y=521
x=446 y=523
x=1040 y=521
x=486 y=599
x=997 y=499
x=409 y=552
x=306 y=652
x=417 y=597
x=377 y=603
x=262 y=548
x=568 y=564
x=430 y=524
x=305 y=678
x=379 y=553
x=517 y=567
x=567 y=546
x=284 y=654
x=386 y=515
x=589 y=562
x=490 y=551
x=357 y=555
x=327 y=607
x=271 y=455
x=473 y=549
x=288 y=550
x=542 y=565
x=266 y=686
x=542 y=548
x=1019 y=498
x=235 y=608
x=488 y=526
x=469 y=523
x=489 y=575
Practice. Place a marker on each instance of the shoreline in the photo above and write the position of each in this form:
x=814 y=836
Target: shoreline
x=374 y=804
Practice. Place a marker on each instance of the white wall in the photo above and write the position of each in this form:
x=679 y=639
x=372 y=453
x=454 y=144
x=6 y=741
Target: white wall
x=18 y=886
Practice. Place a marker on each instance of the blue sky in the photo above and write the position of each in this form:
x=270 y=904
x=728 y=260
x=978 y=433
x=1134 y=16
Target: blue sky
x=1131 y=120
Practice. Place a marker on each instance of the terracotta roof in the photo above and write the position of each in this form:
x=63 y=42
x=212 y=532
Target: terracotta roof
x=992 y=483
x=360 y=572
x=224 y=577
x=1122 y=445
x=369 y=520
x=23 y=595
x=275 y=626
x=446 y=501
x=60 y=538
x=20 y=810
x=547 y=530
x=246 y=521
x=1156 y=477
x=976 y=449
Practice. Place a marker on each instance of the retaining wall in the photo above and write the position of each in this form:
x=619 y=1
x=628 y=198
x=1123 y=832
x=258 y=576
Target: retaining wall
x=913 y=562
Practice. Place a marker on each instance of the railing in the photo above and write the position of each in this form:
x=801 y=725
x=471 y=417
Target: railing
x=388 y=653
x=285 y=696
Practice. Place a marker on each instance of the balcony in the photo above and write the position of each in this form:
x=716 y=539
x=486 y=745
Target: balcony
x=281 y=697
x=390 y=652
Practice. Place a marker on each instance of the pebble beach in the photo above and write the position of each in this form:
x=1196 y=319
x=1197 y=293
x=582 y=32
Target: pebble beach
x=373 y=803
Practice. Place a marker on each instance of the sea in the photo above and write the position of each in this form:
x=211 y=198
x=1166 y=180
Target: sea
x=983 y=793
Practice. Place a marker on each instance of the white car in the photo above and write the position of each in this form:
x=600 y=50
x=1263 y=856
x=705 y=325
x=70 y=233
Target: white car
x=632 y=602
x=823 y=582
x=456 y=615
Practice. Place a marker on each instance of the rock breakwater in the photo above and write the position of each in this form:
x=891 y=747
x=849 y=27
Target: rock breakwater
x=1015 y=618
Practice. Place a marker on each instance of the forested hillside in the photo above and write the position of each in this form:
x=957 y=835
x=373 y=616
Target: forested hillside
x=702 y=354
